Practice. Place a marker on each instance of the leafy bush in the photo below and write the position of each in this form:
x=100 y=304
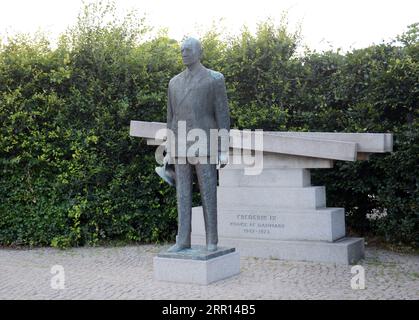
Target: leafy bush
x=71 y=174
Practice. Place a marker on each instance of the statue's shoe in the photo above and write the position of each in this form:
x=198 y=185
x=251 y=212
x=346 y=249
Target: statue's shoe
x=211 y=247
x=178 y=247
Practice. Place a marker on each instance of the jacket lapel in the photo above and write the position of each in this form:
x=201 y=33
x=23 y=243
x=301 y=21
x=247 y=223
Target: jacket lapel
x=190 y=84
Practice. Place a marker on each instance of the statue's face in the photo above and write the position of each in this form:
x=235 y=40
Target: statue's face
x=191 y=51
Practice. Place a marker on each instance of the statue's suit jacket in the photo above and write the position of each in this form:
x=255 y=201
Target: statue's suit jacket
x=199 y=99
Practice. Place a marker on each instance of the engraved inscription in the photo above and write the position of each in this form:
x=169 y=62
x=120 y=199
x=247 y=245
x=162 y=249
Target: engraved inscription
x=257 y=224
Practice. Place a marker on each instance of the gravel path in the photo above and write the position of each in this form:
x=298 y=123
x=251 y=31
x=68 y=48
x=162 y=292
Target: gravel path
x=127 y=273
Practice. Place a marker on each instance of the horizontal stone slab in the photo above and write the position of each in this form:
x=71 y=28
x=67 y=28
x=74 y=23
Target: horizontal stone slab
x=154 y=142
x=201 y=272
x=318 y=225
x=344 y=251
x=268 y=177
x=275 y=160
x=325 y=149
x=145 y=129
x=366 y=142
x=327 y=145
x=278 y=161
x=271 y=197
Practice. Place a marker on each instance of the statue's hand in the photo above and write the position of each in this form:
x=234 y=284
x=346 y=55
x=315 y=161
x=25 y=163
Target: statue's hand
x=222 y=160
x=167 y=156
x=166 y=159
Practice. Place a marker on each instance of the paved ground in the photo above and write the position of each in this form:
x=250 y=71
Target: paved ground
x=126 y=273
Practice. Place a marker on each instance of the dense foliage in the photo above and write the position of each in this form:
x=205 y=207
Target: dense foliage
x=71 y=174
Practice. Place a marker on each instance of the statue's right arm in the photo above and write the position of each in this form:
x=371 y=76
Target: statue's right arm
x=169 y=120
x=169 y=110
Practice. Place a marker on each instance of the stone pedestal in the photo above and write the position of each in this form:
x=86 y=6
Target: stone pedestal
x=278 y=214
x=196 y=265
x=343 y=251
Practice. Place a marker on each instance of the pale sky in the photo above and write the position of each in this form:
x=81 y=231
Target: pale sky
x=325 y=23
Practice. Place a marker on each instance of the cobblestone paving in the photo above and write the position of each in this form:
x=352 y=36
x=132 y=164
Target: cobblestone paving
x=126 y=273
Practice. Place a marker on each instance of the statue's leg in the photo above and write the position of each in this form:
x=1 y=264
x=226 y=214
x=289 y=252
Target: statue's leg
x=184 y=206
x=207 y=180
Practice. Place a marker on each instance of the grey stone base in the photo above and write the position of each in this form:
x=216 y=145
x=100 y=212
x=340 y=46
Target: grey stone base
x=343 y=251
x=183 y=268
x=325 y=224
x=196 y=252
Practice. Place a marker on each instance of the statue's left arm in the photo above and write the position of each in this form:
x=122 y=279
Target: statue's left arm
x=222 y=116
x=169 y=126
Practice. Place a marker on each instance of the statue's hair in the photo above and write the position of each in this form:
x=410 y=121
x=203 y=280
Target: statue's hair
x=196 y=43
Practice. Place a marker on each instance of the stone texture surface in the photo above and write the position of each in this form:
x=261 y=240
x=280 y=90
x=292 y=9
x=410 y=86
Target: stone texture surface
x=195 y=271
x=326 y=224
x=280 y=161
x=267 y=178
x=366 y=142
x=297 y=145
x=127 y=273
x=273 y=197
x=196 y=252
x=343 y=251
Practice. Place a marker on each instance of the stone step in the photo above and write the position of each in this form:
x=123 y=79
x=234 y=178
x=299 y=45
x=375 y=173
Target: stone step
x=271 y=197
x=190 y=270
x=326 y=224
x=344 y=251
x=267 y=178
x=267 y=160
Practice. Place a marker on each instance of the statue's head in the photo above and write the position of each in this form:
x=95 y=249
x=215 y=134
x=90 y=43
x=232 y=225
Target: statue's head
x=191 y=51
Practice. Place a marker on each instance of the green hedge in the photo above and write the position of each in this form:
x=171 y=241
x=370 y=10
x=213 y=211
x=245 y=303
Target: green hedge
x=71 y=174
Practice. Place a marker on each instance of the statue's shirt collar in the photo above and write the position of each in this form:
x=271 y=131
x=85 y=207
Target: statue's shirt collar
x=191 y=74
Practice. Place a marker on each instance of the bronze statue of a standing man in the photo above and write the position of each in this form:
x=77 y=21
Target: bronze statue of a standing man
x=197 y=99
